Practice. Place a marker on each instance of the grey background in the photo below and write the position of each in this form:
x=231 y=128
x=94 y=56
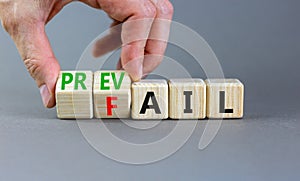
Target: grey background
x=257 y=41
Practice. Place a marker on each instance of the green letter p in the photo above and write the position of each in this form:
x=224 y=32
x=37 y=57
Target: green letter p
x=67 y=78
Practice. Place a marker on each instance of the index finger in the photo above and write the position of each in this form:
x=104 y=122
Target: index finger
x=135 y=32
x=158 y=38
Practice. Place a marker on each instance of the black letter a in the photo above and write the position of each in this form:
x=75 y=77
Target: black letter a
x=146 y=106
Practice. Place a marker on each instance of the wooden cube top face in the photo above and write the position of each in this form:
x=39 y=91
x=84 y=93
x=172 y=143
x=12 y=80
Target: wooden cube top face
x=223 y=82
x=186 y=82
x=157 y=83
x=177 y=100
x=139 y=92
x=75 y=86
x=74 y=95
x=111 y=81
x=114 y=85
x=232 y=90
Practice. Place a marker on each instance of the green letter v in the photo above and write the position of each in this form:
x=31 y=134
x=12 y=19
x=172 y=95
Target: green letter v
x=117 y=84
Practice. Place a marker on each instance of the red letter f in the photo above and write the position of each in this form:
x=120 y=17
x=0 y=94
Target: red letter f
x=109 y=105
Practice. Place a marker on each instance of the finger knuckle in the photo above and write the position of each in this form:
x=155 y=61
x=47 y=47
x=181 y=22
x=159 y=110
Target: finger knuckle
x=166 y=8
x=170 y=7
x=33 y=67
x=16 y=21
x=10 y=25
x=9 y=19
x=132 y=54
x=16 y=24
x=147 y=10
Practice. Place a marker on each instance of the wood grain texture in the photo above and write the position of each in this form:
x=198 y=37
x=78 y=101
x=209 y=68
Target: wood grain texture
x=228 y=91
x=71 y=103
x=187 y=99
x=140 y=90
x=117 y=94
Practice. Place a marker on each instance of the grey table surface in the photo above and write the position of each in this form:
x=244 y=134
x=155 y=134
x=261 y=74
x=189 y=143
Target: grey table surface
x=255 y=41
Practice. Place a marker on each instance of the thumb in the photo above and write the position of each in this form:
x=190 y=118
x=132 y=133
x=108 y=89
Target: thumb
x=35 y=49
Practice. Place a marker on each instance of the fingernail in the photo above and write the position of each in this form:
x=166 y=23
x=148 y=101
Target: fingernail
x=46 y=96
x=135 y=69
x=138 y=73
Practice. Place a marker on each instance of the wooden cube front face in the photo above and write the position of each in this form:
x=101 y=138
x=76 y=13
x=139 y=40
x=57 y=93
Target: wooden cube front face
x=74 y=95
x=225 y=98
x=149 y=99
x=187 y=99
x=112 y=94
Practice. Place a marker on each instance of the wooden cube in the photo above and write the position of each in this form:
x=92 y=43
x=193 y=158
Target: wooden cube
x=112 y=94
x=74 y=95
x=187 y=99
x=225 y=98
x=149 y=99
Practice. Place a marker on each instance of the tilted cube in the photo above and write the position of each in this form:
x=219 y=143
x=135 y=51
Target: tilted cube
x=112 y=94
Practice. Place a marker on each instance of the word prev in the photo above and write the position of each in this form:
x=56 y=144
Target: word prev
x=111 y=94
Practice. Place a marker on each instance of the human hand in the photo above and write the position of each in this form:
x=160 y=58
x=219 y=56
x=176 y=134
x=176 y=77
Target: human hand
x=25 y=22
